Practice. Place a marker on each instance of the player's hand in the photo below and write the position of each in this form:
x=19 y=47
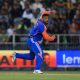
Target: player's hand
x=54 y=37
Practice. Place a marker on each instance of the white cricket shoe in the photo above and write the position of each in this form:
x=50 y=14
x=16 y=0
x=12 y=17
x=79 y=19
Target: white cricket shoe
x=38 y=71
x=14 y=57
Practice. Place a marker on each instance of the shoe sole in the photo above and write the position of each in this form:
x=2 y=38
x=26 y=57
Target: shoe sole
x=37 y=73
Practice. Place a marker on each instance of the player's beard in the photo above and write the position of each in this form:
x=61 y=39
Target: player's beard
x=46 y=22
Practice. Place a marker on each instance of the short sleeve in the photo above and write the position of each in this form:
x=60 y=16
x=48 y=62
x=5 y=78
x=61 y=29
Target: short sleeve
x=41 y=27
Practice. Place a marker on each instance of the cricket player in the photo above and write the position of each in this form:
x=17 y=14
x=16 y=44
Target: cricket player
x=37 y=32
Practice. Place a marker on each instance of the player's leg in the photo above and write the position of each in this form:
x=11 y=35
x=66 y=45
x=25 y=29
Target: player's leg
x=38 y=54
x=28 y=56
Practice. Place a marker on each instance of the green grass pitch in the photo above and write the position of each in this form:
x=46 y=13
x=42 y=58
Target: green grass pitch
x=48 y=75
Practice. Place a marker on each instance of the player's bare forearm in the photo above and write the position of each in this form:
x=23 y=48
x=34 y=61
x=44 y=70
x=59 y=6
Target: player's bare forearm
x=47 y=37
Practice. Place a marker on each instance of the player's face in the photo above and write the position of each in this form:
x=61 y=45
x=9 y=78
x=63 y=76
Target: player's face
x=45 y=19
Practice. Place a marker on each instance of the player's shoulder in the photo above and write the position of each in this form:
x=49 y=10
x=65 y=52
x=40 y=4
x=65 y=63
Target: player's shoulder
x=39 y=22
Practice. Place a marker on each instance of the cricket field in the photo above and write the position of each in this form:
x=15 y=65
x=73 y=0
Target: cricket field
x=48 y=75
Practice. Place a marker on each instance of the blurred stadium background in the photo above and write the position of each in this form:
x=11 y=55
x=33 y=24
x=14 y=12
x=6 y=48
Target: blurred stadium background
x=17 y=17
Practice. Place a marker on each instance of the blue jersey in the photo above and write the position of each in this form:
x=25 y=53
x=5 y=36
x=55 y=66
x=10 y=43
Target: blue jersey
x=37 y=30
